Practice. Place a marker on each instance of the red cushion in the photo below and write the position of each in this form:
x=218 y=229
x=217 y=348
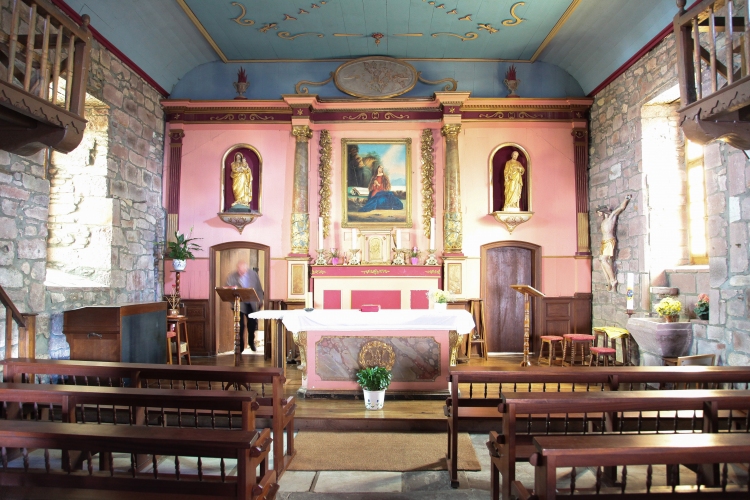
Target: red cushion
x=603 y=350
x=578 y=336
x=551 y=337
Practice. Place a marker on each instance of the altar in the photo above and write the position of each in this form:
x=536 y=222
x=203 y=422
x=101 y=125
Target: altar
x=421 y=345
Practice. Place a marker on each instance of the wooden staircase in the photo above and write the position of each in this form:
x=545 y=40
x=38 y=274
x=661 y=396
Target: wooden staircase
x=714 y=79
x=42 y=78
x=26 y=329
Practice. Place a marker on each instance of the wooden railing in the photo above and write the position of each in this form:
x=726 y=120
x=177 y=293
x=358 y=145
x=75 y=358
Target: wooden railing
x=26 y=329
x=45 y=58
x=711 y=43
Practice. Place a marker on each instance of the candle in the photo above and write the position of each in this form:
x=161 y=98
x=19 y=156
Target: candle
x=320 y=233
x=398 y=239
x=308 y=300
x=630 y=284
x=432 y=233
x=355 y=243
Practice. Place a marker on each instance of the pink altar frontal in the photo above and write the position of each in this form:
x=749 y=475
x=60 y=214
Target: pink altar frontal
x=421 y=345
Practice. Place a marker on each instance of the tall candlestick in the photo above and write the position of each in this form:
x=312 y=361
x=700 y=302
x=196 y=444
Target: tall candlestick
x=320 y=232
x=398 y=238
x=432 y=234
x=355 y=242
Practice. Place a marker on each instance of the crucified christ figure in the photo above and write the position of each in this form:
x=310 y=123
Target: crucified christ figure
x=609 y=239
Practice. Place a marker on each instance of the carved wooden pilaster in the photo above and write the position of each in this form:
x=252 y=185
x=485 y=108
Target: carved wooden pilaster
x=175 y=174
x=452 y=223
x=581 y=159
x=300 y=215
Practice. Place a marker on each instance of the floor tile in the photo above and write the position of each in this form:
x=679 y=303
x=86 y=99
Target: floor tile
x=357 y=481
x=296 y=480
x=426 y=481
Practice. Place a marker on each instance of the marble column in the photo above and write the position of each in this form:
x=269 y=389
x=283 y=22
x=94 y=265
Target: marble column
x=300 y=215
x=452 y=225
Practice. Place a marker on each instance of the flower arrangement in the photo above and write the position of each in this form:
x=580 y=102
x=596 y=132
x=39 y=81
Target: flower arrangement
x=511 y=73
x=668 y=307
x=376 y=378
x=414 y=252
x=701 y=307
x=440 y=296
x=183 y=246
x=333 y=253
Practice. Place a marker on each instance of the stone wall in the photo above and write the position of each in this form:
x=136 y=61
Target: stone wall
x=131 y=181
x=617 y=169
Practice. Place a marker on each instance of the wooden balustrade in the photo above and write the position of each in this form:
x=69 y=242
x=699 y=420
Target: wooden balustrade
x=44 y=66
x=26 y=324
x=714 y=79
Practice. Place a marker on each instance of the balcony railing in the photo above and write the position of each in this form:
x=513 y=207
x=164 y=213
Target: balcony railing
x=713 y=51
x=44 y=65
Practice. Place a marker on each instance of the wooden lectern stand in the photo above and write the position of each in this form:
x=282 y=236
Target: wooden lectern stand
x=527 y=292
x=237 y=295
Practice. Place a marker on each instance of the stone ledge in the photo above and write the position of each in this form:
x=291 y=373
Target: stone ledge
x=664 y=290
x=688 y=269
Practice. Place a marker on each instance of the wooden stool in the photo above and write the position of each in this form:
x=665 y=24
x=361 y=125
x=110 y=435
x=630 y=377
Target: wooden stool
x=575 y=339
x=551 y=341
x=613 y=333
x=597 y=352
x=182 y=347
x=477 y=312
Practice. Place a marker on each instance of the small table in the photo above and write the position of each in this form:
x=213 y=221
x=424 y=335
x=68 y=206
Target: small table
x=178 y=333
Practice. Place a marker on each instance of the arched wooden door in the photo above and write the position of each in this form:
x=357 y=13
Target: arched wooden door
x=503 y=264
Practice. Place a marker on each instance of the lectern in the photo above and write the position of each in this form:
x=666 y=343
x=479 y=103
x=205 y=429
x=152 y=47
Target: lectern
x=527 y=292
x=237 y=296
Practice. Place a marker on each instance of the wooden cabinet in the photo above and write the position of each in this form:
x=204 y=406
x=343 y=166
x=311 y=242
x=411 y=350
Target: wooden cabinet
x=561 y=315
x=196 y=313
x=131 y=333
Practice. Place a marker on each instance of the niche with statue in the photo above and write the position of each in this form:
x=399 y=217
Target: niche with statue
x=241 y=169
x=510 y=185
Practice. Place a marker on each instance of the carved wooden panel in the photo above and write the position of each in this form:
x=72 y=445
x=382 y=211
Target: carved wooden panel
x=504 y=306
x=561 y=315
x=197 y=325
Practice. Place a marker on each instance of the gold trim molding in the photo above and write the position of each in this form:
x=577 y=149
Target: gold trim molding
x=325 y=171
x=428 y=180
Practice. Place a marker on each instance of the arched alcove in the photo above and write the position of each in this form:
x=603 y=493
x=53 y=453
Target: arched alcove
x=222 y=261
x=498 y=159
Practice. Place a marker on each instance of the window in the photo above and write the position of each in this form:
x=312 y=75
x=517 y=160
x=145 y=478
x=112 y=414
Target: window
x=696 y=189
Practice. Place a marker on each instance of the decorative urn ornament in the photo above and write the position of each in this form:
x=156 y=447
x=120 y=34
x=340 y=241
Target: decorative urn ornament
x=511 y=81
x=241 y=84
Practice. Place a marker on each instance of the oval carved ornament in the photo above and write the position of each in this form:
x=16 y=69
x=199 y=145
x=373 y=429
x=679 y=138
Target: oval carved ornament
x=375 y=77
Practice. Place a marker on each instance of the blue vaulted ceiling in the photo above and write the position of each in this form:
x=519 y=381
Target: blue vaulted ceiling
x=589 y=39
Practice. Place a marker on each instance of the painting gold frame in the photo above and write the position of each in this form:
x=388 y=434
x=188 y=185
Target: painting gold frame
x=379 y=220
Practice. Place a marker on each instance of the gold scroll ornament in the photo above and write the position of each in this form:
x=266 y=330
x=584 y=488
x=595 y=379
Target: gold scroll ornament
x=377 y=353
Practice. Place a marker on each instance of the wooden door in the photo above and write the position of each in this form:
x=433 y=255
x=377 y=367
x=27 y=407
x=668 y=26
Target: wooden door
x=226 y=265
x=505 y=266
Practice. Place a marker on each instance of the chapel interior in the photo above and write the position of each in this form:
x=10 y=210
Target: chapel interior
x=561 y=169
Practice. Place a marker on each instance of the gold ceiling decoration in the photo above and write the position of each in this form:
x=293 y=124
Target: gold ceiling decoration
x=407 y=34
x=301 y=87
x=468 y=36
x=288 y=36
x=516 y=20
x=488 y=27
x=269 y=26
x=240 y=19
x=465 y=18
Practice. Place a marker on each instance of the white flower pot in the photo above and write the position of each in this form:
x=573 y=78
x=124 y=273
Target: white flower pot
x=440 y=306
x=179 y=265
x=374 y=399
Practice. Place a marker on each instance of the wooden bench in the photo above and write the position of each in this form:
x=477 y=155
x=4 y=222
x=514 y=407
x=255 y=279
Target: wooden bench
x=483 y=386
x=265 y=381
x=552 y=452
x=610 y=412
x=244 y=446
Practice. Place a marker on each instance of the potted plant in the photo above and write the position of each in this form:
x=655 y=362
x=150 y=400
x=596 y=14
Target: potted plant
x=414 y=252
x=374 y=381
x=669 y=309
x=182 y=249
x=440 y=299
x=334 y=253
x=701 y=307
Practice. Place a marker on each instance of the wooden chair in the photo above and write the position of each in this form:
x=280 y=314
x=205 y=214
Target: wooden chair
x=178 y=344
x=576 y=339
x=552 y=342
x=598 y=352
x=477 y=312
x=699 y=360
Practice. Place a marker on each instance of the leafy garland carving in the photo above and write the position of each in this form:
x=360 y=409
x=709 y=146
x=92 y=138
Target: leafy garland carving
x=428 y=177
x=324 y=172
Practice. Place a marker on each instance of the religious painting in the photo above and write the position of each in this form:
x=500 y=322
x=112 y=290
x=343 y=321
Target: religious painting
x=241 y=169
x=376 y=177
x=510 y=185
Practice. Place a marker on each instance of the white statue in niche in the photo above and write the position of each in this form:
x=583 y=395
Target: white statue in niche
x=609 y=239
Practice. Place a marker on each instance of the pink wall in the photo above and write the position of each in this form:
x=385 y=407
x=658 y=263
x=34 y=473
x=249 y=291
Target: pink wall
x=553 y=226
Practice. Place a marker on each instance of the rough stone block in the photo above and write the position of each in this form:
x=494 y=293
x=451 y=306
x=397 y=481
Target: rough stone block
x=741 y=341
x=7 y=191
x=32 y=249
x=112 y=95
x=736 y=174
x=735 y=212
x=736 y=306
x=717 y=271
x=716 y=204
x=8 y=228
x=738 y=259
x=715 y=332
x=684 y=281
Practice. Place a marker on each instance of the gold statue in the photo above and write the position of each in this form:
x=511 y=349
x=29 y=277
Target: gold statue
x=513 y=183
x=242 y=181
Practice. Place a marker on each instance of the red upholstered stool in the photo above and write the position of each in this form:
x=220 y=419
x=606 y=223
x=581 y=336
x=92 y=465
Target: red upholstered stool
x=597 y=352
x=552 y=341
x=576 y=339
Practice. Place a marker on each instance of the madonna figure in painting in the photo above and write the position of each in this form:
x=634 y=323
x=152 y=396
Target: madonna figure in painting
x=381 y=197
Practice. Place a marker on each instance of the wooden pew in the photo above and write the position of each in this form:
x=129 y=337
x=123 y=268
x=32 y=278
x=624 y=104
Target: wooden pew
x=277 y=408
x=482 y=387
x=244 y=446
x=552 y=452
x=577 y=408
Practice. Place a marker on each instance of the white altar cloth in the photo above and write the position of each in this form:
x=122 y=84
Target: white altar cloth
x=347 y=320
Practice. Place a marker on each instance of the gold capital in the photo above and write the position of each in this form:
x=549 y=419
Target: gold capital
x=303 y=133
x=451 y=131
